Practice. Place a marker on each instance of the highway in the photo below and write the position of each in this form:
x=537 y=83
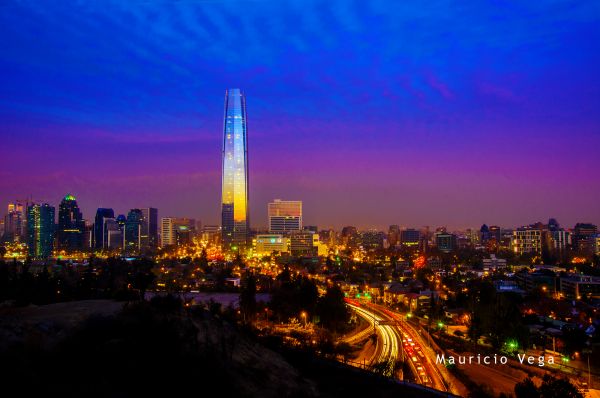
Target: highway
x=401 y=340
x=389 y=348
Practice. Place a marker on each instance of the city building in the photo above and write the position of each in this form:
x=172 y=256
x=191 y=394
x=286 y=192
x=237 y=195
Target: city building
x=101 y=215
x=285 y=216
x=445 y=242
x=493 y=263
x=582 y=237
x=14 y=223
x=349 y=236
x=393 y=235
x=579 y=286
x=149 y=228
x=234 y=205
x=113 y=234
x=304 y=243
x=410 y=237
x=71 y=225
x=177 y=231
x=210 y=233
x=527 y=240
x=40 y=230
x=267 y=244
x=372 y=239
x=133 y=231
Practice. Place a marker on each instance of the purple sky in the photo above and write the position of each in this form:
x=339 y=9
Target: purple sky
x=372 y=113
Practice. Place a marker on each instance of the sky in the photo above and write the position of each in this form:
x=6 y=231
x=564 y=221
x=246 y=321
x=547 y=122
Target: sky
x=372 y=113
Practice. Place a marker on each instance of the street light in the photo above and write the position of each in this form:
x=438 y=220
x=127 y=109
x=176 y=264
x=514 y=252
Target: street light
x=303 y=315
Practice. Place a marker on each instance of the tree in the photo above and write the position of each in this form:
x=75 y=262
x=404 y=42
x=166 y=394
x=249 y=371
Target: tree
x=526 y=389
x=248 y=297
x=553 y=387
x=332 y=309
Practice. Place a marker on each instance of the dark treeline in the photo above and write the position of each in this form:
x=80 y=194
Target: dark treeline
x=111 y=279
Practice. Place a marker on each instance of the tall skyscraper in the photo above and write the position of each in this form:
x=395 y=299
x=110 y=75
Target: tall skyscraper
x=133 y=231
x=284 y=216
x=40 y=230
x=99 y=235
x=14 y=223
x=70 y=224
x=234 y=194
x=149 y=228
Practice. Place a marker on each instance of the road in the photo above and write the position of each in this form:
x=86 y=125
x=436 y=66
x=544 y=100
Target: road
x=411 y=346
x=389 y=349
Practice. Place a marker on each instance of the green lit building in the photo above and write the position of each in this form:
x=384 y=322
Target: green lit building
x=40 y=230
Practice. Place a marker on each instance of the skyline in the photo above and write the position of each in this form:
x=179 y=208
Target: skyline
x=454 y=122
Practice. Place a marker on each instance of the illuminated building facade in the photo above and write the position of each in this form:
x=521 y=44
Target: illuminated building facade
x=527 y=240
x=266 y=244
x=14 y=223
x=284 y=216
x=70 y=224
x=234 y=203
x=40 y=230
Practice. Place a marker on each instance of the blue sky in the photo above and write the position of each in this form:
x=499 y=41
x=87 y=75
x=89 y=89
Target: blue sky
x=372 y=112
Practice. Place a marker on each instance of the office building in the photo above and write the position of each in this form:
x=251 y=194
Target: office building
x=133 y=232
x=234 y=192
x=176 y=231
x=149 y=228
x=527 y=240
x=14 y=223
x=285 y=216
x=304 y=243
x=410 y=237
x=445 y=242
x=71 y=226
x=101 y=215
x=393 y=235
x=580 y=286
x=40 y=230
x=267 y=244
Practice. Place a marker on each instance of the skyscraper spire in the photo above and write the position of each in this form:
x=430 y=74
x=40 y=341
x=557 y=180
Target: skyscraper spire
x=234 y=203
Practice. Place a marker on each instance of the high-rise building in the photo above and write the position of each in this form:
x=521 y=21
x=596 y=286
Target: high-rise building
x=393 y=235
x=71 y=226
x=285 y=216
x=99 y=237
x=372 y=239
x=40 y=230
x=410 y=237
x=445 y=241
x=113 y=235
x=176 y=231
x=149 y=228
x=14 y=230
x=234 y=204
x=133 y=231
x=527 y=240
x=582 y=237
x=349 y=236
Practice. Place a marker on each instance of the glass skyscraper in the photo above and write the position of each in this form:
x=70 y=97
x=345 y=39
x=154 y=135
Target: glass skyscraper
x=40 y=230
x=234 y=204
x=70 y=224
